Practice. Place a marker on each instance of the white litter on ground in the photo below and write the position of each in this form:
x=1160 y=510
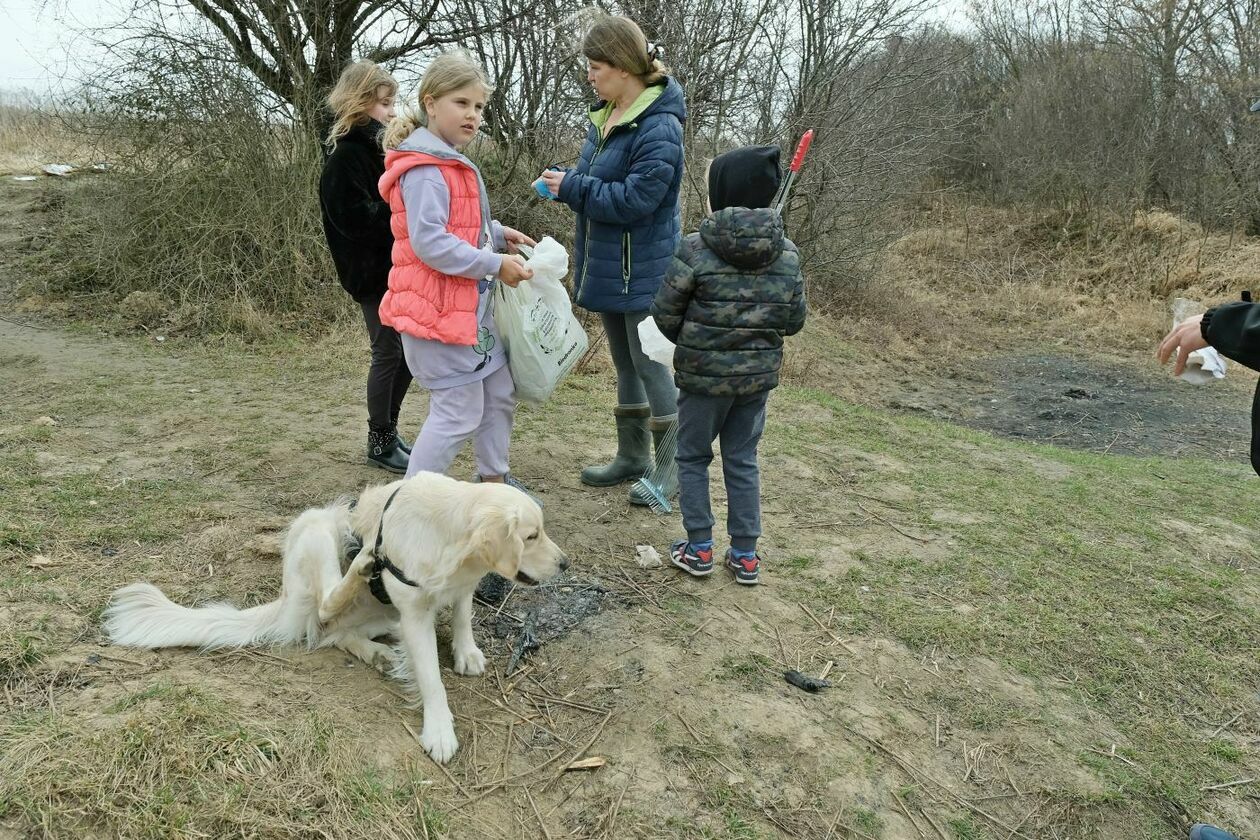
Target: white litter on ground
x=647 y=557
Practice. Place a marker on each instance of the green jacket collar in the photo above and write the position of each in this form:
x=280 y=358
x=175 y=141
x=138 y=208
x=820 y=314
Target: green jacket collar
x=600 y=116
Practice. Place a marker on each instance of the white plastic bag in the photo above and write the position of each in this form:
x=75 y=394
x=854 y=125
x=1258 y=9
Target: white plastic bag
x=543 y=339
x=1204 y=365
x=655 y=345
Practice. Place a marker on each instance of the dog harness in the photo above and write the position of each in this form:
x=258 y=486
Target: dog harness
x=381 y=562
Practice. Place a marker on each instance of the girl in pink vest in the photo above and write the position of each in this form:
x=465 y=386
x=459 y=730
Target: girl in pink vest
x=440 y=296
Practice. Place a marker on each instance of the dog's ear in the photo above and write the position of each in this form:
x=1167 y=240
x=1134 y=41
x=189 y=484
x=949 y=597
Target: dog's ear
x=498 y=539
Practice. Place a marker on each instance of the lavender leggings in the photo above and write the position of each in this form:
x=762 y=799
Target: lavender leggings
x=481 y=410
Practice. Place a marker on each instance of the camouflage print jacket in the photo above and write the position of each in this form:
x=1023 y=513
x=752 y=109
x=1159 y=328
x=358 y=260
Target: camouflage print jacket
x=733 y=291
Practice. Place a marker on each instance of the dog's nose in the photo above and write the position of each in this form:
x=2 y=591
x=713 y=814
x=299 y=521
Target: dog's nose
x=564 y=562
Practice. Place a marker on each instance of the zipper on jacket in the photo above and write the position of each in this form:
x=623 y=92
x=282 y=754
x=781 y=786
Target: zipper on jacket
x=625 y=262
x=586 y=255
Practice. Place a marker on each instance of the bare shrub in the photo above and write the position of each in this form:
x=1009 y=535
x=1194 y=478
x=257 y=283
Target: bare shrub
x=210 y=201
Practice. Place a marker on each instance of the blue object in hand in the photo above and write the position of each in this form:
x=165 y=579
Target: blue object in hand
x=541 y=187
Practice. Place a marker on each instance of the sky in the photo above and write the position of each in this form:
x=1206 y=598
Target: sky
x=39 y=48
x=38 y=41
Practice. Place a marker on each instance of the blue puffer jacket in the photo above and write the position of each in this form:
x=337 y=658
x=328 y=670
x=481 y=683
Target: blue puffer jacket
x=625 y=192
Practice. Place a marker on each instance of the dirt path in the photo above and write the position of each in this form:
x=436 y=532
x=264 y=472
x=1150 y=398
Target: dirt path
x=176 y=462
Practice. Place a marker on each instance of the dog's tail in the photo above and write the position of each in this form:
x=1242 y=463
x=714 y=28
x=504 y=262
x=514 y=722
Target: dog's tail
x=140 y=616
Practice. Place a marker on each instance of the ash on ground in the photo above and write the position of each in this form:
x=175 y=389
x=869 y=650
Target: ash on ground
x=531 y=616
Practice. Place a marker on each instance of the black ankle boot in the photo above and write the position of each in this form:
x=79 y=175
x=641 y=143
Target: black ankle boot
x=402 y=444
x=384 y=451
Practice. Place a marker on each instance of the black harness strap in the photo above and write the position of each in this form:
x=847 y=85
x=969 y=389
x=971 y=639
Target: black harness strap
x=381 y=563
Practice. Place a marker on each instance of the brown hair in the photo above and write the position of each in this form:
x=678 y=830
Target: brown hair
x=358 y=88
x=620 y=42
x=445 y=74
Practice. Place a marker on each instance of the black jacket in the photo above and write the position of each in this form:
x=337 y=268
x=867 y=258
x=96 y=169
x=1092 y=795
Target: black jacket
x=1234 y=330
x=356 y=218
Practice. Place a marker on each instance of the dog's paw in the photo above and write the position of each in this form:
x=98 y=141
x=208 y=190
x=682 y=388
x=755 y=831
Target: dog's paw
x=470 y=662
x=439 y=741
x=385 y=660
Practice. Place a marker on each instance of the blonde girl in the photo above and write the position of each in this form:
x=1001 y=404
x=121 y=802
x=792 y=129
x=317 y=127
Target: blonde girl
x=445 y=262
x=356 y=224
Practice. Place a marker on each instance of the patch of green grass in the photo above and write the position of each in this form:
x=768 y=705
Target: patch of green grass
x=983 y=712
x=92 y=511
x=1071 y=573
x=727 y=803
x=163 y=690
x=964 y=829
x=737 y=828
x=1225 y=750
x=868 y=821
x=796 y=563
x=910 y=794
x=19 y=652
x=749 y=669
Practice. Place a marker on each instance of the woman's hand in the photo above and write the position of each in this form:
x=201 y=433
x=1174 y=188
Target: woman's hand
x=514 y=237
x=552 y=178
x=513 y=270
x=1184 y=339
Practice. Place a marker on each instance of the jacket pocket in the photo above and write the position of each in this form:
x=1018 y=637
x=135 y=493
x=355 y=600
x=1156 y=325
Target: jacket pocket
x=625 y=262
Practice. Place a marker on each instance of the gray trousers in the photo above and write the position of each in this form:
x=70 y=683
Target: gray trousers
x=639 y=379
x=481 y=410
x=738 y=423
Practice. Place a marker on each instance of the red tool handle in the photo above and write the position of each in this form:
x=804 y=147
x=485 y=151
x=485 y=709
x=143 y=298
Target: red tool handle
x=801 y=149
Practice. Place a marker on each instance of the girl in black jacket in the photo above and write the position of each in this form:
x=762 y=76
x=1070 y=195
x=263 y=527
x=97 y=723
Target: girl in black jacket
x=356 y=224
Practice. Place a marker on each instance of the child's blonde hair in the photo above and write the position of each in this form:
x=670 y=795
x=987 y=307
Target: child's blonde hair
x=618 y=41
x=445 y=74
x=358 y=88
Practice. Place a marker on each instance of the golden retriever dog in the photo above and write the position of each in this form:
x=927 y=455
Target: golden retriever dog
x=440 y=535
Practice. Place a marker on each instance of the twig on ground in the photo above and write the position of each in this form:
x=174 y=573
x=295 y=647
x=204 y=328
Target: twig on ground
x=892 y=525
x=541 y=824
x=1113 y=754
x=599 y=730
x=823 y=628
x=1224 y=785
x=1227 y=724
x=905 y=810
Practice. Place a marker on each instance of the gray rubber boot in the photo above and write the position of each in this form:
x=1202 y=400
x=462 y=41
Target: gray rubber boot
x=665 y=464
x=632 y=456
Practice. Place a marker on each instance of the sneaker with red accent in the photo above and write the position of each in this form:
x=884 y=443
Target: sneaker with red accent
x=693 y=561
x=747 y=568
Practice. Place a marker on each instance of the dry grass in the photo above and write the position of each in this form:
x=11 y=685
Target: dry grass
x=128 y=774
x=30 y=138
x=968 y=277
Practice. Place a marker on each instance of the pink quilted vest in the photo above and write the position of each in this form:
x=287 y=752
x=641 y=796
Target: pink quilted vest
x=422 y=301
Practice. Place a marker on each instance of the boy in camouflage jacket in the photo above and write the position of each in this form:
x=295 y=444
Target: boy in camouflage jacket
x=733 y=291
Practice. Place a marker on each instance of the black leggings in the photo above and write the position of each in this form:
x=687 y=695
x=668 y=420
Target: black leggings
x=388 y=377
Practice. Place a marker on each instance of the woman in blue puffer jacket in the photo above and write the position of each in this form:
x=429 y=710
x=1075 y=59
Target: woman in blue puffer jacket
x=625 y=191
